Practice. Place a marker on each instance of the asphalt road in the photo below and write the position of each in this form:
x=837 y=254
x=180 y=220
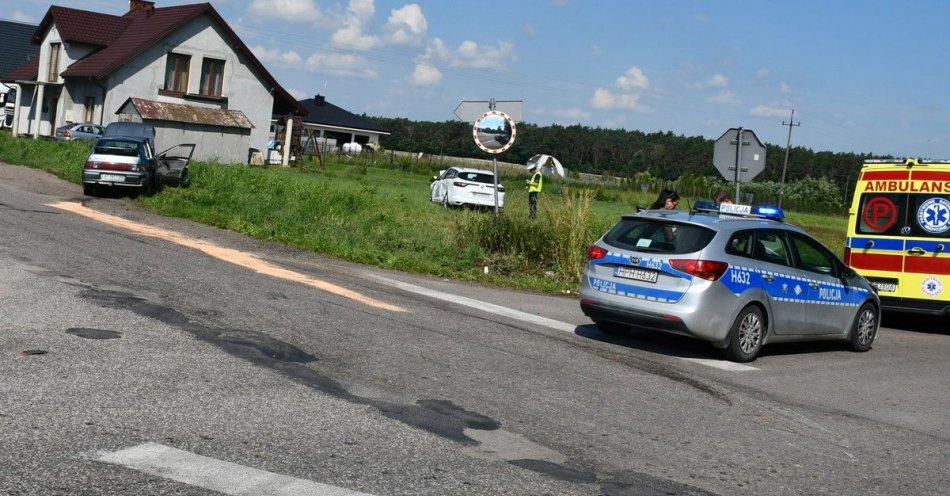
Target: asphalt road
x=148 y=355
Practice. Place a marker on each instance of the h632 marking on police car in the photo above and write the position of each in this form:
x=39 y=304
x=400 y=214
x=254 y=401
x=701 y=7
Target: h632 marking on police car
x=740 y=277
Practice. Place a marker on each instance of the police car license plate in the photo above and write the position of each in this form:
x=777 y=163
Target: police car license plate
x=118 y=178
x=636 y=274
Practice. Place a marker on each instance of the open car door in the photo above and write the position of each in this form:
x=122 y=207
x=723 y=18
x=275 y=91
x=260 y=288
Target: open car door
x=173 y=165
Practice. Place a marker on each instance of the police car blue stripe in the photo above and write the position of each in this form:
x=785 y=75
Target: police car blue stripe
x=792 y=288
x=634 y=291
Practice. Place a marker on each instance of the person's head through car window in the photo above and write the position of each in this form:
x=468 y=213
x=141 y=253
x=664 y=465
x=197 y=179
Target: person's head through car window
x=722 y=197
x=668 y=200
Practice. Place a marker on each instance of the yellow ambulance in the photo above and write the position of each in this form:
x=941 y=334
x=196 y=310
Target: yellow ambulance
x=899 y=233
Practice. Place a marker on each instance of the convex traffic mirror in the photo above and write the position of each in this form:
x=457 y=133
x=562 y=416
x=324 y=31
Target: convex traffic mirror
x=494 y=132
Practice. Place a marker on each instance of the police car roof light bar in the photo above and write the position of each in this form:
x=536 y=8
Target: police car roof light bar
x=760 y=211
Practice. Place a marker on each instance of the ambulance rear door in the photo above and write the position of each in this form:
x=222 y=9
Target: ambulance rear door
x=900 y=238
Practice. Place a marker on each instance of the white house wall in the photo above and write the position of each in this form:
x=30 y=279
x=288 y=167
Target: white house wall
x=144 y=75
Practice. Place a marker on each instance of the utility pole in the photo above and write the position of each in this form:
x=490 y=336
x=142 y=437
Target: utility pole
x=788 y=144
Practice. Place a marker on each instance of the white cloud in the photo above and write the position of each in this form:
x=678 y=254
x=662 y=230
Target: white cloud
x=633 y=78
x=471 y=55
x=355 y=22
x=626 y=98
x=763 y=72
x=718 y=81
x=767 y=111
x=573 y=114
x=289 y=58
x=725 y=97
x=425 y=75
x=407 y=25
x=302 y=11
x=783 y=87
x=607 y=100
x=22 y=17
x=298 y=94
x=341 y=64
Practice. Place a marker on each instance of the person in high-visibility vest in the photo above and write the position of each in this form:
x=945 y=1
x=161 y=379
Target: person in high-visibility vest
x=534 y=187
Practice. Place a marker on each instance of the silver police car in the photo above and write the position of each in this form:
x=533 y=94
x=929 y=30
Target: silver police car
x=734 y=275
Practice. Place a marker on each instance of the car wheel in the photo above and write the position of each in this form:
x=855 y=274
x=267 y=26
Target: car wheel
x=746 y=335
x=88 y=189
x=864 y=328
x=608 y=327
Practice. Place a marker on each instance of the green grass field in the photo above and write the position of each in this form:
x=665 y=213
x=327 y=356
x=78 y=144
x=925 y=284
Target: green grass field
x=382 y=216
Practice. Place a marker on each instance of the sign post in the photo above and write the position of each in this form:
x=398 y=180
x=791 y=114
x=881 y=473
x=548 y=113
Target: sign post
x=494 y=132
x=739 y=156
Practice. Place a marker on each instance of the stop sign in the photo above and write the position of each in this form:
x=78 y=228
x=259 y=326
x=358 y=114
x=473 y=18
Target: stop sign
x=750 y=155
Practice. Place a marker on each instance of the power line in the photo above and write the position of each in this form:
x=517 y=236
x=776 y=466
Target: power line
x=788 y=144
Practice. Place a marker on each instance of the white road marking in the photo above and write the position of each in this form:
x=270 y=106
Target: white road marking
x=530 y=318
x=722 y=364
x=216 y=475
x=479 y=305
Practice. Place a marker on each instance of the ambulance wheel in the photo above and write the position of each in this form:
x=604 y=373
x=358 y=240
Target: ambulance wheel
x=864 y=328
x=746 y=335
x=611 y=328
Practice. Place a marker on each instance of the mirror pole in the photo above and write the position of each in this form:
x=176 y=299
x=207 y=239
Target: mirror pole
x=494 y=161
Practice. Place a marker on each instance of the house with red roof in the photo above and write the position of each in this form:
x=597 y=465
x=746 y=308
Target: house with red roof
x=180 y=68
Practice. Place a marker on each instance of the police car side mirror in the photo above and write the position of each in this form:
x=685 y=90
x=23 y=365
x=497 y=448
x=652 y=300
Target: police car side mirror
x=848 y=273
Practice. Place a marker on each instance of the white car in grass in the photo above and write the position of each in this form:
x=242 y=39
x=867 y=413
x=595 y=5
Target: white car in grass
x=459 y=186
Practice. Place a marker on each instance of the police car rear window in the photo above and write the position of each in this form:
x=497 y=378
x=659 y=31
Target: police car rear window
x=655 y=236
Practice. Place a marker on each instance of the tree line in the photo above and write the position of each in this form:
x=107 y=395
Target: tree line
x=617 y=152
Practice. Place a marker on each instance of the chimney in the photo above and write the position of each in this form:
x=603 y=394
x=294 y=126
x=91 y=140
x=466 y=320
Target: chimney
x=319 y=100
x=144 y=6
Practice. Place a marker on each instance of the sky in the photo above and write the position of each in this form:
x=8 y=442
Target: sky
x=866 y=76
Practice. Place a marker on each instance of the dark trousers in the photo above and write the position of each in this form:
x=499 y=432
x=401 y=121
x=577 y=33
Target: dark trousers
x=532 y=204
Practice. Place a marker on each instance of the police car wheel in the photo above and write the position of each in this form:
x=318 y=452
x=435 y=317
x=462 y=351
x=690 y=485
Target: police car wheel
x=864 y=328
x=746 y=335
x=612 y=328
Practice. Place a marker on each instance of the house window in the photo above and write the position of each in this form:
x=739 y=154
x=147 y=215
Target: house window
x=90 y=107
x=52 y=74
x=176 y=72
x=212 y=73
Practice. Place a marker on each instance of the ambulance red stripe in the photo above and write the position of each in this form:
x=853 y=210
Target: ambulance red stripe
x=930 y=176
x=885 y=175
x=874 y=261
x=927 y=265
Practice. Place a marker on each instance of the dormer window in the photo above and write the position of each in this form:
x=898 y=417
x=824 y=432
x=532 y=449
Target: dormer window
x=176 y=72
x=52 y=74
x=212 y=75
